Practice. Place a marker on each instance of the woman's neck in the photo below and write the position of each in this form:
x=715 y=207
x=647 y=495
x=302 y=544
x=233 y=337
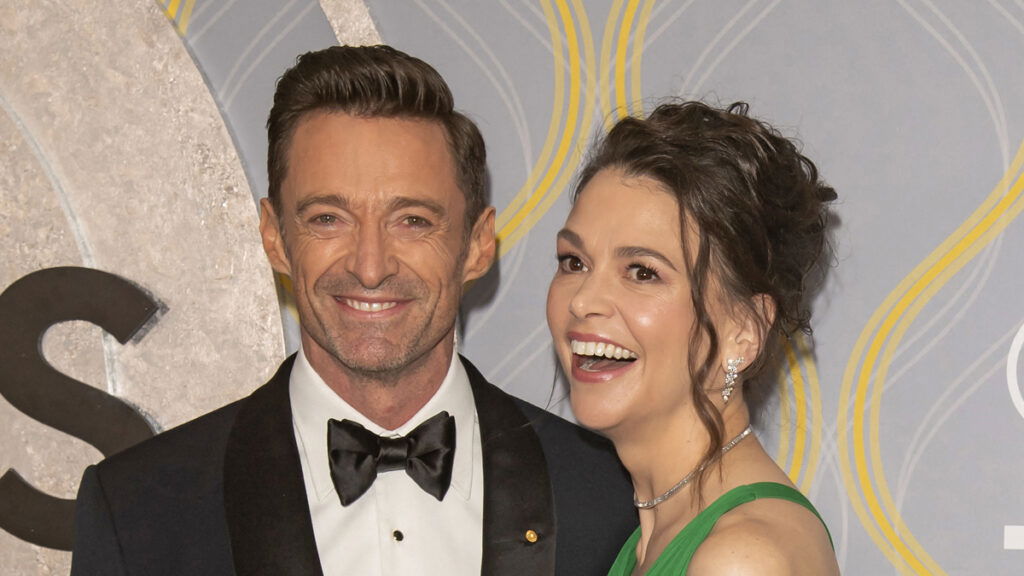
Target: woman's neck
x=660 y=454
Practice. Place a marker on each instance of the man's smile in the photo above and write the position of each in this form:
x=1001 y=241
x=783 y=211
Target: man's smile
x=368 y=306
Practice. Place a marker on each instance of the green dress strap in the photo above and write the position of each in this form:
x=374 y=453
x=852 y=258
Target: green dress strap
x=675 y=559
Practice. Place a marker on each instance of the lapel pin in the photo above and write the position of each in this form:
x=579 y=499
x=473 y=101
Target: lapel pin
x=531 y=536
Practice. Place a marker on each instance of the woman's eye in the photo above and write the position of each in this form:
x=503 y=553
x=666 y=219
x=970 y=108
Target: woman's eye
x=642 y=273
x=571 y=264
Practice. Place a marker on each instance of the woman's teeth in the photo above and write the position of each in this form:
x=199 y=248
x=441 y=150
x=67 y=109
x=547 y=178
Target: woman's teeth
x=601 y=350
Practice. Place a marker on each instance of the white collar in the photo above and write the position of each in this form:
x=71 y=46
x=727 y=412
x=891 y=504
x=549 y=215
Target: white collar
x=314 y=403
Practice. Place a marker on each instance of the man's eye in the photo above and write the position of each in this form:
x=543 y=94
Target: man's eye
x=641 y=273
x=325 y=219
x=571 y=264
x=416 y=222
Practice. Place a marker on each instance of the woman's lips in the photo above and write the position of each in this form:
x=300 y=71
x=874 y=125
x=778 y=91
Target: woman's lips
x=596 y=359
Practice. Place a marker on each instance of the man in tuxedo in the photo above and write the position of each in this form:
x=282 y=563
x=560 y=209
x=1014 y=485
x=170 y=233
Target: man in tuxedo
x=376 y=449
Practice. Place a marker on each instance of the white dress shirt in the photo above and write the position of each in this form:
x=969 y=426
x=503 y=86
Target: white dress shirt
x=395 y=527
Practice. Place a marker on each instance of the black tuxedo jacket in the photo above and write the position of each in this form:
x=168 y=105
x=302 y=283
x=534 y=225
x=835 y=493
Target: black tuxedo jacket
x=224 y=495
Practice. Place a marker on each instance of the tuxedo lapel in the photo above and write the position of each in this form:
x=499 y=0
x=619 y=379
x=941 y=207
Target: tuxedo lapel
x=517 y=490
x=264 y=494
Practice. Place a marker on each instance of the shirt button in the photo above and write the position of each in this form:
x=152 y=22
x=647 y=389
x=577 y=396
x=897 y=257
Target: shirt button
x=398 y=536
x=531 y=536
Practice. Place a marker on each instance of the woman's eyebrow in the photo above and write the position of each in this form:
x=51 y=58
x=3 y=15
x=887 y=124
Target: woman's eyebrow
x=641 y=252
x=570 y=237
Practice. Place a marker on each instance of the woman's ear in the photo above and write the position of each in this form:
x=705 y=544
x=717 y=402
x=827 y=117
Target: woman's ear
x=748 y=329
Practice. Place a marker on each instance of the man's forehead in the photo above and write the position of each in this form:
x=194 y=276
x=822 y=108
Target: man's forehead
x=401 y=143
x=345 y=122
x=342 y=146
x=370 y=159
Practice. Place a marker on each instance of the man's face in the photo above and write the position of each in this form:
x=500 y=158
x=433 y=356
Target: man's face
x=372 y=233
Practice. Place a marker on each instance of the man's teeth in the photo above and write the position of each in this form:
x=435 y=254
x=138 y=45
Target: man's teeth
x=601 y=349
x=369 y=306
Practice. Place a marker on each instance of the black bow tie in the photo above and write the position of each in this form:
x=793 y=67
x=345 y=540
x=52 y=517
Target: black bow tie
x=357 y=455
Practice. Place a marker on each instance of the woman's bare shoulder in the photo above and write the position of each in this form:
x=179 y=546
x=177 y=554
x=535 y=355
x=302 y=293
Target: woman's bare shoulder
x=766 y=537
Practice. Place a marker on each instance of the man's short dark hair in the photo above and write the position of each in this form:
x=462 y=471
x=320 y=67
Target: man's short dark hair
x=374 y=82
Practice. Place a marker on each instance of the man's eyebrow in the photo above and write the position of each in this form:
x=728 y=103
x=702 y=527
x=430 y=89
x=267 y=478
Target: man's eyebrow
x=328 y=199
x=641 y=252
x=406 y=202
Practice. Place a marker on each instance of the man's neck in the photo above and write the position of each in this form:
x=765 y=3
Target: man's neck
x=388 y=399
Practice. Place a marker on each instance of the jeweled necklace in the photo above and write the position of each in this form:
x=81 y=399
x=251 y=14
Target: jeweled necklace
x=647 y=504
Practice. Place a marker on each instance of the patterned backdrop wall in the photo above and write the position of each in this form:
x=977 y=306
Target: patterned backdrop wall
x=133 y=144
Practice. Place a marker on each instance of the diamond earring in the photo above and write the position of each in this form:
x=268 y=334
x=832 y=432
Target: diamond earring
x=732 y=373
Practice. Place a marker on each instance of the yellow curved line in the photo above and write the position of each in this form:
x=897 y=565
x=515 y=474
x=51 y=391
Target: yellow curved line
x=785 y=417
x=851 y=370
x=557 y=102
x=621 y=105
x=606 y=54
x=545 y=204
x=953 y=253
x=816 y=424
x=843 y=442
x=898 y=321
x=186 y=16
x=800 y=403
x=172 y=9
x=506 y=242
x=587 y=118
x=843 y=439
x=636 y=81
x=907 y=311
x=565 y=139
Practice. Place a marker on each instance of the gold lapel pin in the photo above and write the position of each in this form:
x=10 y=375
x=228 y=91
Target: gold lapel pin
x=531 y=536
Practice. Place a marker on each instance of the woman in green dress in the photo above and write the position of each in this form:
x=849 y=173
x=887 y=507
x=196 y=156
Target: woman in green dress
x=684 y=262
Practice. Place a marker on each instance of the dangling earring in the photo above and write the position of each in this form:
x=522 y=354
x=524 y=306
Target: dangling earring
x=732 y=373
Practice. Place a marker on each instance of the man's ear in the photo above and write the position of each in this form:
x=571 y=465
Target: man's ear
x=273 y=239
x=482 y=246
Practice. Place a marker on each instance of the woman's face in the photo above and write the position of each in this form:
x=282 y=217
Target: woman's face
x=619 y=306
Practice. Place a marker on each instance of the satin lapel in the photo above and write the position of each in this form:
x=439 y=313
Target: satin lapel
x=264 y=494
x=517 y=490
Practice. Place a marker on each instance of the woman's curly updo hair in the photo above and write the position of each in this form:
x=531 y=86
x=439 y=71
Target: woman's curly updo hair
x=760 y=216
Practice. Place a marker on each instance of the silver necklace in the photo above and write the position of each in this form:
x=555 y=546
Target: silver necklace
x=647 y=504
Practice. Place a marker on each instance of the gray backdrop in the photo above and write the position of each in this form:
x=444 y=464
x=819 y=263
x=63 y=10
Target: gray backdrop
x=901 y=420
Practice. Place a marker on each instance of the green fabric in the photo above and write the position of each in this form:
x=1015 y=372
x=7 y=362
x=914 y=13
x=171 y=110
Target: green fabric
x=675 y=559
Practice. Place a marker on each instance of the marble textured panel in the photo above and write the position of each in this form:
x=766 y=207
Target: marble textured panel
x=115 y=157
x=37 y=236
x=351 y=22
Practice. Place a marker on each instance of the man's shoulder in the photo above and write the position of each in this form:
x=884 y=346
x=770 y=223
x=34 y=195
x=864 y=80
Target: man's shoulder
x=557 y=433
x=195 y=446
x=592 y=494
x=565 y=445
x=158 y=506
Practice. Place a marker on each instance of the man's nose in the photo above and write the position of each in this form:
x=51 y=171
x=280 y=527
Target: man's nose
x=372 y=260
